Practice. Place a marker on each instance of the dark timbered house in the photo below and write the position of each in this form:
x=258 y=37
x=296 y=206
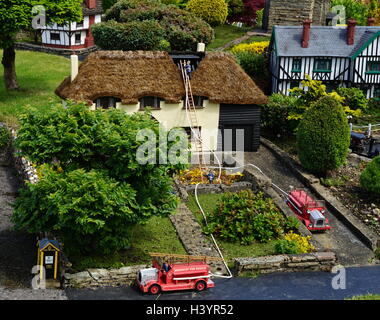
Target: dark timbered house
x=338 y=56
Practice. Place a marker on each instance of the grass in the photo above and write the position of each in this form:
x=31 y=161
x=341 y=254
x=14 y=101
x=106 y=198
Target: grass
x=365 y=297
x=158 y=235
x=38 y=74
x=225 y=34
x=230 y=250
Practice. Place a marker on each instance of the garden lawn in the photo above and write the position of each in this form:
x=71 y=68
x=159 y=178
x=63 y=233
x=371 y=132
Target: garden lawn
x=225 y=34
x=366 y=297
x=39 y=74
x=230 y=250
x=157 y=235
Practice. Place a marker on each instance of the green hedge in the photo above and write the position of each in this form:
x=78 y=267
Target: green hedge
x=213 y=11
x=323 y=136
x=370 y=178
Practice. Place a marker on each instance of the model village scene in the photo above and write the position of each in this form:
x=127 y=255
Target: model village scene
x=178 y=149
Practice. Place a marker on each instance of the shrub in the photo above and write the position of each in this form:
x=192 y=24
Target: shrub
x=235 y=7
x=323 y=136
x=5 y=136
x=245 y=217
x=249 y=16
x=294 y=243
x=354 y=9
x=284 y=246
x=213 y=12
x=274 y=115
x=354 y=98
x=106 y=4
x=137 y=35
x=370 y=177
x=92 y=151
x=132 y=24
x=258 y=47
x=253 y=64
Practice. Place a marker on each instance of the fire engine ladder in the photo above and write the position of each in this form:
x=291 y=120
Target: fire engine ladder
x=192 y=117
x=171 y=258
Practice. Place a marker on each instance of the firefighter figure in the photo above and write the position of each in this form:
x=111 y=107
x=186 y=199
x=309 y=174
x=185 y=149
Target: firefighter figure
x=188 y=69
x=210 y=176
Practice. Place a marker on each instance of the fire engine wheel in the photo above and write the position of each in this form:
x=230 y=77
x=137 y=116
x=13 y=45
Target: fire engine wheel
x=154 y=289
x=200 y=286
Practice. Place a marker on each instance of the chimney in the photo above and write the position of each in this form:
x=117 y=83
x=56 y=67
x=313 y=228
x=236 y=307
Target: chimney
x=74 y=66
x=371 y=22
x=91 y=4
x=351 y=31
x=306 y=33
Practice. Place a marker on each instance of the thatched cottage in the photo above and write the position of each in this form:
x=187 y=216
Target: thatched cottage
x=226 y=97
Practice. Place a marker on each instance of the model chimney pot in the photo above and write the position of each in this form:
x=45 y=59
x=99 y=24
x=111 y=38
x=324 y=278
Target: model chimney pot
x=371 y=22
x=91 y=4
x=351 y=32
x=306 y=33
x=74 y=66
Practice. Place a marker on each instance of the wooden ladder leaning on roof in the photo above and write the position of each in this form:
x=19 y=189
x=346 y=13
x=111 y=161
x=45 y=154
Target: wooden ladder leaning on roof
x=191 y=110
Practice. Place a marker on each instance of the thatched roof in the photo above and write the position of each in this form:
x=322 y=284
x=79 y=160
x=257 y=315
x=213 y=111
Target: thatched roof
x=131 y=75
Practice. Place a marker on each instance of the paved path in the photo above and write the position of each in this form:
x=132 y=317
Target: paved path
x=281 y=286
x=341 y=240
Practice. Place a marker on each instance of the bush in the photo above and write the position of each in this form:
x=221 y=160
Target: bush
x=354 y=98
x=137 y=35
x=258 y=47
x=274 y=115
x=95 y=183
x=235 y=7
x=245 y=217
x=135 y=24
x=294 y=243
x=323 y=136
x=253 y=64
x=250 y=15
x=284 y=246
x=370 y=177
x=5 y=136
x=213 y=12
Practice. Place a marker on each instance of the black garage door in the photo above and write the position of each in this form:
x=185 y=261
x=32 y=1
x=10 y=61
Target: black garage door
x=241 y=124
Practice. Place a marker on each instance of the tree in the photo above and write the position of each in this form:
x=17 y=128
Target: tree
x=370 y=177
x=323 y=136
x=213 y=12
x=92 y=186
x=16 y=15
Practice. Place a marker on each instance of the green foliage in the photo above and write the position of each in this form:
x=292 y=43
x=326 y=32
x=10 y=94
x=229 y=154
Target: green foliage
x=136 y=35
x=370 y=178
x=245 y=217
x=284 y=246
x=85 y=146
x=253 y=64
x=354 y=9
x=323 y=136
x=259 y=17
x=106 y=4
x=16 y=15
x=212 y=11
x=235 y=7
x=274 y=115
x=354 y=98
x=5 y=136
x=136 y=24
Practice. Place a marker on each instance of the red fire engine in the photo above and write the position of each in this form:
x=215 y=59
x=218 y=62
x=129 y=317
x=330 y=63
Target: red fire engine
x=182 y=272
x=309 y=211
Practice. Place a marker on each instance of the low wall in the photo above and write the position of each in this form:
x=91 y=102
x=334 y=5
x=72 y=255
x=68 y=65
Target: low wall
x=58 y=51
x=94 y=278
x=317 y=261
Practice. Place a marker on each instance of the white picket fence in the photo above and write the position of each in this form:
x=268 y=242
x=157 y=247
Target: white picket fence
x=369 y=129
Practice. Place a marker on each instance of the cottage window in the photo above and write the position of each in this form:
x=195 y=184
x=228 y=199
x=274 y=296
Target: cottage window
x=297 y=65
x=322 y=65
x=106 y=102
x=80 y=24
x=198 y=101
x=376 y=92
x=55 y=36
x=78 y=38
x=373 y=67
x=151 y=102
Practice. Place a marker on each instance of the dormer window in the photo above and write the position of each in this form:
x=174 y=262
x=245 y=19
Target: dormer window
x=373 y=67
x=198 y=102
x=106 y=102
x=297 y=65
x=151 y=102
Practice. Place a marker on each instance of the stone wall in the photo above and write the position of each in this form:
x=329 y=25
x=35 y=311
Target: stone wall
x=317 y=261
x=294 y=12
x=93 y=278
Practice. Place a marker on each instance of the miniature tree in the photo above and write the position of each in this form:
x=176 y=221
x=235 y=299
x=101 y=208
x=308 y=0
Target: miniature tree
x=370 y=178
x=16 y=15
x=212 y=11
x=323 y=136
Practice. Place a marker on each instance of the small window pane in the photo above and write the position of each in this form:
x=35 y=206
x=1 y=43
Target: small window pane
x=297 y=65
x=152 y=102
x=106 y=102
x=55 y=36
x=322 y=64
x=78 y=38
x=373 y=66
